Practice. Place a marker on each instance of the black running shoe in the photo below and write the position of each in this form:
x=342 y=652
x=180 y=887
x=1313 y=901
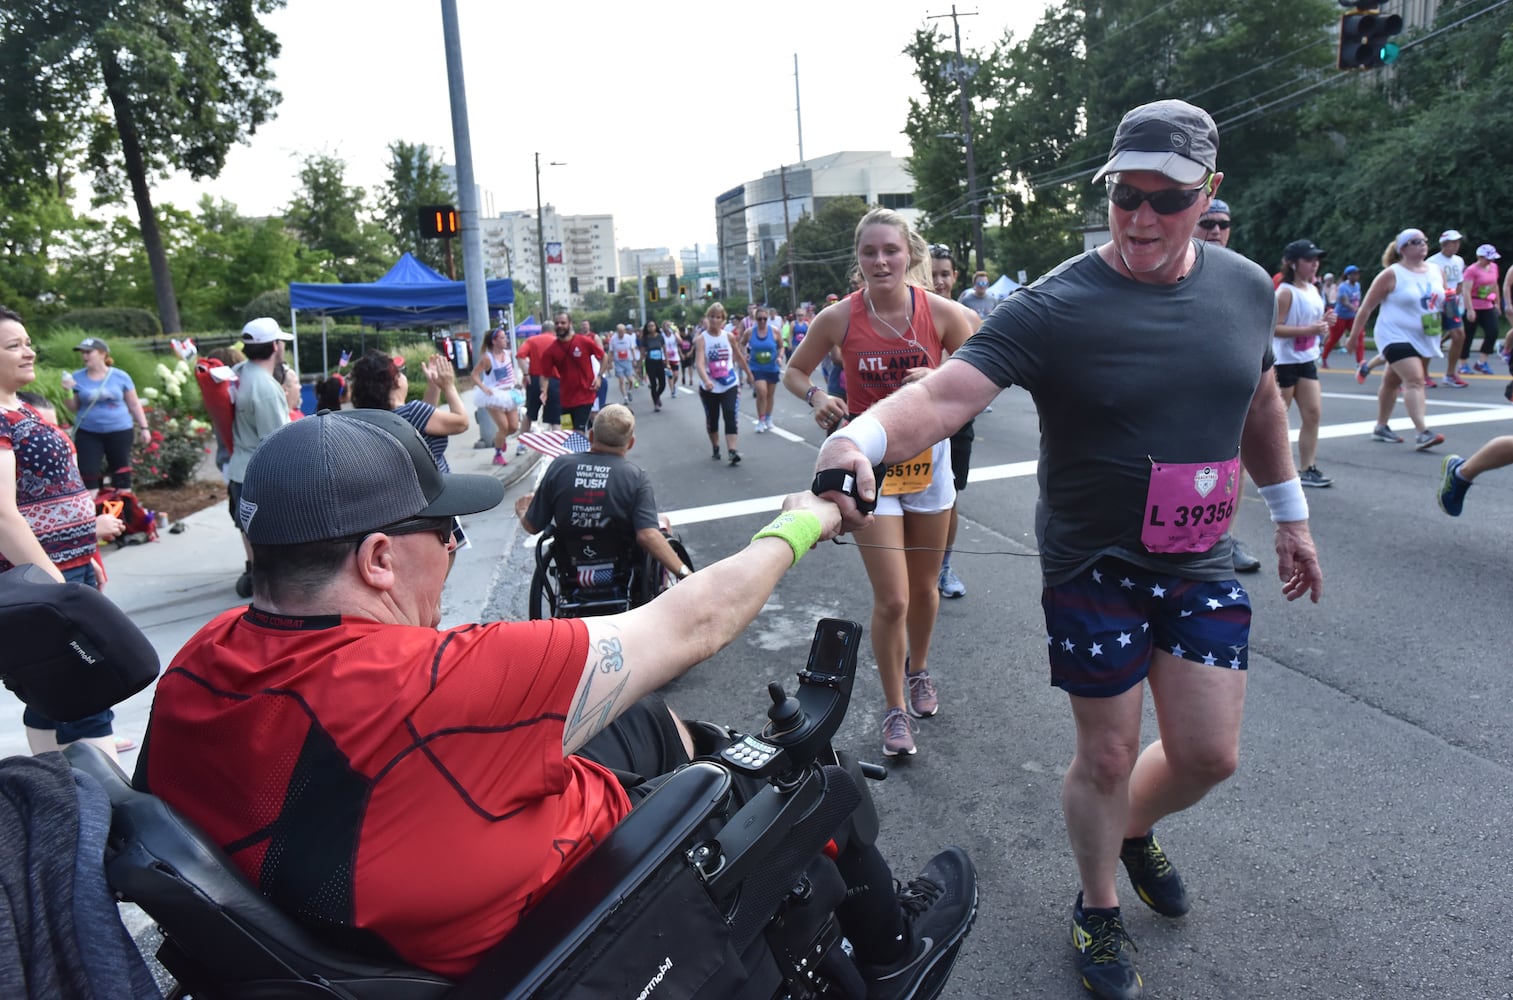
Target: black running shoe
x=939 y=907
x=1103 y=954
x=1153 y=876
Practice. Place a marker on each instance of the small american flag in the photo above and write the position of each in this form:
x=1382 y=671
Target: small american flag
x=596 y=575
x=555 y=443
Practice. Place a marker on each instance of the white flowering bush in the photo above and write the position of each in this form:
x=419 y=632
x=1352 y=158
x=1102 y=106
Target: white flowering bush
x=180 y=434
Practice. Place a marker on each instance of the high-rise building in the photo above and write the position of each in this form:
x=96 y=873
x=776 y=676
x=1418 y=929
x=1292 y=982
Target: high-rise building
x=580 y=247
x=749 y=218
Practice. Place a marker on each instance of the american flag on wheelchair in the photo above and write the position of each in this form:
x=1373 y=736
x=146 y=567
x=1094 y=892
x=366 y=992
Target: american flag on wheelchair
x=595 y=574
x=555 y=443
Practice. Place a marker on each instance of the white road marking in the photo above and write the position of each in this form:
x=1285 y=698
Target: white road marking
x=1015 y=470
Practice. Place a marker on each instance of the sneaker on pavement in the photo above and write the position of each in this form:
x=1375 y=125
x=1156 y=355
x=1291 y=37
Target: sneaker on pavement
x=716 y=454
x=1104 y=959
x=1483 y=367
x=499 y=458
x=1311 y=476
x=1385 y=433
x=1244 y=561
x=735 y=457
x=939 y=907
x=1427 y=440
x=1452 y=488
x=1152 y=875
x=1361 y=372
x=1463 y=370
x=1429 y=383
x=519 y=449
x=1507 y=392
x=950 y=584
x=898 y=733
x=1456 y=382
x=923 y=701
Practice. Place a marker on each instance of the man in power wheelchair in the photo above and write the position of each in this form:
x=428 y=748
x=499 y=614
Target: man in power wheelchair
x=412 y=796
x=603 y=548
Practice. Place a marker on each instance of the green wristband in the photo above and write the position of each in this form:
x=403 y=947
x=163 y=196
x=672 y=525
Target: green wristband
x=799 y=528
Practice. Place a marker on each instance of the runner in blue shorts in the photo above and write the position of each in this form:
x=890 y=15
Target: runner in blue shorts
x=1143 y=413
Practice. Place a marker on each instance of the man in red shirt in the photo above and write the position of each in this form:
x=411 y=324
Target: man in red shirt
x=542 y=395
x=577 y=359
x=412 y=792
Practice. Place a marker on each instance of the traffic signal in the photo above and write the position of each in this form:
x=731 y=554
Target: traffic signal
x=709 y=291
x=1365 y=37
x=572 y=284
x=682 y=293
x=437 y=221
x=652 y=291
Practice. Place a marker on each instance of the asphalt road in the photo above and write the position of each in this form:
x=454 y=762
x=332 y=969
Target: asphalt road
x=1361 y=850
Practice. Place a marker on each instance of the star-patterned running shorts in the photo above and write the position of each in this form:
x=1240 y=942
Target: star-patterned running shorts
x=1103 y=626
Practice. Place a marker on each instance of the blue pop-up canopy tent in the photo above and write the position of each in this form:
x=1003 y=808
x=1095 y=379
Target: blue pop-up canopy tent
x=410 y=294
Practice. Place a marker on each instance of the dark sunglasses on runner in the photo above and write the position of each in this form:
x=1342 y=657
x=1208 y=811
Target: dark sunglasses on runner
x=1167 y=201
x=1211 y=223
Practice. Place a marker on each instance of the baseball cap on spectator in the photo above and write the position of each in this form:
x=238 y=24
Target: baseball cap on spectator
x=1450 y=234
x=1173 y=138
x=1217 y=206
x=340 y=475
x=1301 y=249
x=264 y=330
x=92 y=344
x=1488 y=251
x=1351 y=269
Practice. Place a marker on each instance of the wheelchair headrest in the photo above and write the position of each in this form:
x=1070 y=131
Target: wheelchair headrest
x=69 y=652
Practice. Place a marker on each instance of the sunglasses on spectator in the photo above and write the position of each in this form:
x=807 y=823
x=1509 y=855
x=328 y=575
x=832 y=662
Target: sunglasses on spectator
x=1167 y=201
x=440 y=527
x=1213 y=223
x=1420 y=242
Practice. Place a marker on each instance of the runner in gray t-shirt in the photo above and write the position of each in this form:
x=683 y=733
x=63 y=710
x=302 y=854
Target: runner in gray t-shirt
x=1143 y=411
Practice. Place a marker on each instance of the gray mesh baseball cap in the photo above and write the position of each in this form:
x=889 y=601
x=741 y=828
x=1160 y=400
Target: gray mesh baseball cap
x=1169 y=137
x=334 y=475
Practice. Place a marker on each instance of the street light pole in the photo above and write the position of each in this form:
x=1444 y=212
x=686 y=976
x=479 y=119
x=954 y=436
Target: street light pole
x=546 y=306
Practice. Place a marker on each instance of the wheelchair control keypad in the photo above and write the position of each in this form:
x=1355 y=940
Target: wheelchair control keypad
x=751 y=755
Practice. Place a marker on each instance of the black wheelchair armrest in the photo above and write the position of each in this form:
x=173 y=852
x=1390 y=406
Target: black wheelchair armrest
x=657 y=829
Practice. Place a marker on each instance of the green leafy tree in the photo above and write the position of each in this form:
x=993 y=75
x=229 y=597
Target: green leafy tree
x=331 y=217
x=225 y=259
x=823 y=252
x=415 y=179
x=144 y=87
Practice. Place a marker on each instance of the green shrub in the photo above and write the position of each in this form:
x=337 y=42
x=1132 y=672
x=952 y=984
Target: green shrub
x=112 y=322
x=181 y=434
x=274 y=303
x=56 y=349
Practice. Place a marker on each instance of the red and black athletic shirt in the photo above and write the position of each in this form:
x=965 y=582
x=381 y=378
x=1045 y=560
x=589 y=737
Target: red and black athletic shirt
x=398 y=789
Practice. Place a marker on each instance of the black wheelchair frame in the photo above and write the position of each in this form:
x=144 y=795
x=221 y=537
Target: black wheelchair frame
x=638 y=577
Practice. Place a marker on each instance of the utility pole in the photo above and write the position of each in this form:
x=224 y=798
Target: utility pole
x=545 y=318
x=962 y=75
x=793 y=278
x=467 y=191
x=798 y=115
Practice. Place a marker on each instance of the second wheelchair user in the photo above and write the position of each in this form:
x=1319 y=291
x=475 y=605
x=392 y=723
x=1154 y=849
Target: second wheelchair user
x=601 y=490
x=410 y=791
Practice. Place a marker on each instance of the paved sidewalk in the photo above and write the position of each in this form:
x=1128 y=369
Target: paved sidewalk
x=173 y=586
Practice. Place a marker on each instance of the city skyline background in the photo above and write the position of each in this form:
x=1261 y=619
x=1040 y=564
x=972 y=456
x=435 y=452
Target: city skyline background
x=650 y=134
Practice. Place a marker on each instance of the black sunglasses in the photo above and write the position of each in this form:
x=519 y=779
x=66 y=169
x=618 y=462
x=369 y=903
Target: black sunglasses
x=1167 y=201
x=1211 y=223
x=440 y=526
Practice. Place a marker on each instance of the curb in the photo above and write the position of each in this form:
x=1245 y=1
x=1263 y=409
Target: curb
x=520 y=466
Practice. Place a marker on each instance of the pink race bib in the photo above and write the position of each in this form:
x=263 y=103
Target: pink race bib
x=1188 y=506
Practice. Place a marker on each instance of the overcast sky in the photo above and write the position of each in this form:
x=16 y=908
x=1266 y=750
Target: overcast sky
x=653 y=108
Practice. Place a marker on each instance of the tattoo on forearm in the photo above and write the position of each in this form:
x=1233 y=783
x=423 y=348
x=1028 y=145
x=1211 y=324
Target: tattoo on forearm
x=598 y=704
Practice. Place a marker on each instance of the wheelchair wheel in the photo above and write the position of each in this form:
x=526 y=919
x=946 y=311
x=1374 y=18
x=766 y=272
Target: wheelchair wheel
x=542 y=602
x=654 y=577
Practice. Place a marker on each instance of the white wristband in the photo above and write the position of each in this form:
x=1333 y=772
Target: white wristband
x=1285 y=500
x=866 y=432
